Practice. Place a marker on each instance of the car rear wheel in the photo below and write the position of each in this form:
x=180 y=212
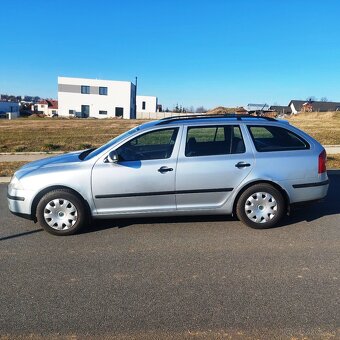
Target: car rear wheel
x=261 y=206
x=61 y=212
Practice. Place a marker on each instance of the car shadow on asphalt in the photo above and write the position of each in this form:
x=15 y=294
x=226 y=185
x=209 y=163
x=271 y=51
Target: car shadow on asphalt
x=98 y=225
x=308 y=212
x=21 y=234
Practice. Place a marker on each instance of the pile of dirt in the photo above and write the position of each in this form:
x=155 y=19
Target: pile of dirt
x=221 y=110
x=37 y=115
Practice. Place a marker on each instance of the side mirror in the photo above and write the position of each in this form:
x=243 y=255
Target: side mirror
x=113 y=157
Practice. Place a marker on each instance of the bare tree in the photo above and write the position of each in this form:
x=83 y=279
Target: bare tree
x=311 y=99
x=324 y=99
x=201 y=109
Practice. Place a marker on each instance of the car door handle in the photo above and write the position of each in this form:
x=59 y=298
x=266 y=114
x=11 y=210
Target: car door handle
x=164 y=169
x=242 y=165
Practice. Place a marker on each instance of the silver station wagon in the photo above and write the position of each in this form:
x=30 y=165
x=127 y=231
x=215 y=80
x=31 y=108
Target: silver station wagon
x=253 y=167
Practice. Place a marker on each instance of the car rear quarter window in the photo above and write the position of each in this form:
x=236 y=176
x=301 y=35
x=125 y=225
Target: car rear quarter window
x=213 y=140
x=274 y=138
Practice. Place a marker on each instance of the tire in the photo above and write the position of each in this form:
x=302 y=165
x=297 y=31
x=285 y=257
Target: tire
x=261 y=206
x=61 y=212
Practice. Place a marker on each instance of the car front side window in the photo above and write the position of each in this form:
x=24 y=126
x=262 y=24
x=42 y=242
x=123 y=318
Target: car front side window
x=157 y=144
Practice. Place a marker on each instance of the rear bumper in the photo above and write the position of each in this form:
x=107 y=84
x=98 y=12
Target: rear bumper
x=310 y=185
x=310 y=191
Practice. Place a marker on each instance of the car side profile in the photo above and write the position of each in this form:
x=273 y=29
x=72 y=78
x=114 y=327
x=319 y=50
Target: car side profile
x=253 y=167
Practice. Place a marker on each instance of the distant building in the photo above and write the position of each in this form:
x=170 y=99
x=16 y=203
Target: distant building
x=96 y=98
x=52 y=107
x=48 y=107
x=257 y=107
x=9 y=107
x=313 y=106
x=281 y=110
x=147 y=104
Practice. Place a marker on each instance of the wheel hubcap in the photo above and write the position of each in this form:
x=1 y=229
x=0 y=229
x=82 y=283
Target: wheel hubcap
x=260 y=207
x=60 y=214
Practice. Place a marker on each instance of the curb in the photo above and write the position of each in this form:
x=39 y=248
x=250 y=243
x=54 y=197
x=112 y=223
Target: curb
x=32 y=153
x=333 y=172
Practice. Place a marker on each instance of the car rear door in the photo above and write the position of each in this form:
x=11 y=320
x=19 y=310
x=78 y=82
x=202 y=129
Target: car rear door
x=212 y=162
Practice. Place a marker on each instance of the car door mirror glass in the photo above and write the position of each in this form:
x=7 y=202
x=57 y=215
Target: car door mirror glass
x=113 y=156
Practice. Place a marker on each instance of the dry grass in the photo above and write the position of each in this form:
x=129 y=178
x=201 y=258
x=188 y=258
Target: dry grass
x=47 y=134
x=323 y=126
x=333 y=161
x=8 y=168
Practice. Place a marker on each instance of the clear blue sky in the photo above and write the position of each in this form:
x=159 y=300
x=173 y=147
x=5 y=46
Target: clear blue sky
x=191 y=52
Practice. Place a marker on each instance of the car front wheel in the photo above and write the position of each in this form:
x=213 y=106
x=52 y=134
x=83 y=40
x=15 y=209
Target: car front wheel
x=61 y=212
x=261 y=206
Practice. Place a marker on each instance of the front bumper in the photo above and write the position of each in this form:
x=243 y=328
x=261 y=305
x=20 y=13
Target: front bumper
x=20 y=202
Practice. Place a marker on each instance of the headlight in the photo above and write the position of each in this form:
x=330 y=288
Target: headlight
x=15 y=184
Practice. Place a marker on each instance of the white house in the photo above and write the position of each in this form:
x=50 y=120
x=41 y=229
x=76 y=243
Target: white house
x=146 y=104
x=41 y=106
x=49 y=107
x=83 y=97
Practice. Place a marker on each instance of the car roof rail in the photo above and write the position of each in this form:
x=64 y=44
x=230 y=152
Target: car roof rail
x=207 y=116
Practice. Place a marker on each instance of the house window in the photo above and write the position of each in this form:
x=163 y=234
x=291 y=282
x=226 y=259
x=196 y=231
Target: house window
x=85 y=89
x=85 y=111
x=71 y=112
x=119 y=111
x=103 y=91
x=102 y=112
x=143 y=105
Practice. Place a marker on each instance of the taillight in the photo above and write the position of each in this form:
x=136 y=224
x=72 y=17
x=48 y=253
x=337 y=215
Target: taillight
x=322 y=162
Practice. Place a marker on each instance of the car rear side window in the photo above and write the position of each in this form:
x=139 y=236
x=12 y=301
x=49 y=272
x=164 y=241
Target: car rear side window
x=214 y=140
x=274 y=138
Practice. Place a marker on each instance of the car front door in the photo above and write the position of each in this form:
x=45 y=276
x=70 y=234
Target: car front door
x=143 y=179
x=212 y=162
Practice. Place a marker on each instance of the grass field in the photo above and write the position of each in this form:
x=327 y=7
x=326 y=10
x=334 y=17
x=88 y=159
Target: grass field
x=323 y=126
x=46 y=134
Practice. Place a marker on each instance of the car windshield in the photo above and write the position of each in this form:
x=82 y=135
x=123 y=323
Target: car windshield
x=109 y=144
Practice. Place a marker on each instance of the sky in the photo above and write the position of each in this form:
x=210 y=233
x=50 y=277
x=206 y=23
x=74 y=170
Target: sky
x=190 y=52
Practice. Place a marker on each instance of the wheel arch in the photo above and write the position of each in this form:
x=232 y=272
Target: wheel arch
x=44 y=191
x=250 y=184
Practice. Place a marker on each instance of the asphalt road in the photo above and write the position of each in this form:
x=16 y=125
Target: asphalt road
x=202 y=277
